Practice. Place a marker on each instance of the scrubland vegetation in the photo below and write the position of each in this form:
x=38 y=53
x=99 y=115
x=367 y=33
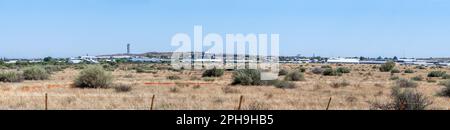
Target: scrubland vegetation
x=299 y=86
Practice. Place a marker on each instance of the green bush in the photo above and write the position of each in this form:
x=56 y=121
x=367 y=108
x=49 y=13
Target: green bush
x=388 y=66
x=247 y=77
x=214 y=72
x=405 y=83
x=93 y=77
x=409 y=71
x=343 y=70
x=11 y=77
x=436 y=73
x=331 y=72
x=294 y=76
x=35 y=73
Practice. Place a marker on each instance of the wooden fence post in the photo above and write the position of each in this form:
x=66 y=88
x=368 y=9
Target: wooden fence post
x=46 y=101
x=328 y=105
x=153 y=99
x=240 y=102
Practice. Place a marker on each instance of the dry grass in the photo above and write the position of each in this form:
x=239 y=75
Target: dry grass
x=365 y=84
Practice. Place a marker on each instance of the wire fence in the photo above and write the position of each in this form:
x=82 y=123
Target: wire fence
x=144 y=102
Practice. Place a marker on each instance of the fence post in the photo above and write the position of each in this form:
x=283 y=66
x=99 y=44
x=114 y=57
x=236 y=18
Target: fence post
x=240 y=102
x=328 y=105
x=153 y=99
x=46 y=101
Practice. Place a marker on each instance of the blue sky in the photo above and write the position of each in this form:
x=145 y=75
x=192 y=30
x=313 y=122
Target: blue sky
x=65 y=28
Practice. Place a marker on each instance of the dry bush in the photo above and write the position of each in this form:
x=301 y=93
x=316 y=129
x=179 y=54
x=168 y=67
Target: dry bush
x=418 y=78
x=173 y=77
x=283 y=72
x=247 y=77
x=446 y=90
x=343 y=70
x=343 y=83
x=123 y=88
x=214 y=72
x=405 y=83
x=11 y=76
x=228 y=89
x=35 y=73
x=283 y=84
x=294 y=76
x=317 y=70
x=388 y=66
x=404 y=100
x=409 y=71
x=436 y=73
x=93 y=77
x=257 y=106
x=331 y=72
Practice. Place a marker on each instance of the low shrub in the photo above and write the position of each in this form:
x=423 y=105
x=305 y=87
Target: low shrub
x=123 y=88
x=436 y=73
x=395 y=70
x=388 y=66
x=294 y=76
x=214 y=72
x=405 y=83
x=394 y=78
x=283 y=84
x=173 y=77
x=343 y=70
x=93 y=77
x=446 y=90
x=446 y=76
x=331 y=72
x=317 y=70
x=229 y=89
x=326 y=67
x=339 y=84
x=302 y=69
x=35 y=73
x=11 y=76
x=418 y=78
x=404 y=100
x=247 y=77
x=283 y=72
x=409 y=71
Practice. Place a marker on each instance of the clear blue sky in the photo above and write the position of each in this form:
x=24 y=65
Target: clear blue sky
x=64 y=28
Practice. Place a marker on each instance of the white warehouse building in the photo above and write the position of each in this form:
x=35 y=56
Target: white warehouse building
x=343 y=60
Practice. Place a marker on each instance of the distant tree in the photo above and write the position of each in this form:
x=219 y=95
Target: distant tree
x=395 y=58
x=362 y=58
x=48 y=59
x=379 y=58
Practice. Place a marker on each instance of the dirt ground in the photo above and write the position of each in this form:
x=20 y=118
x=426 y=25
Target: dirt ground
x=192 y=92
